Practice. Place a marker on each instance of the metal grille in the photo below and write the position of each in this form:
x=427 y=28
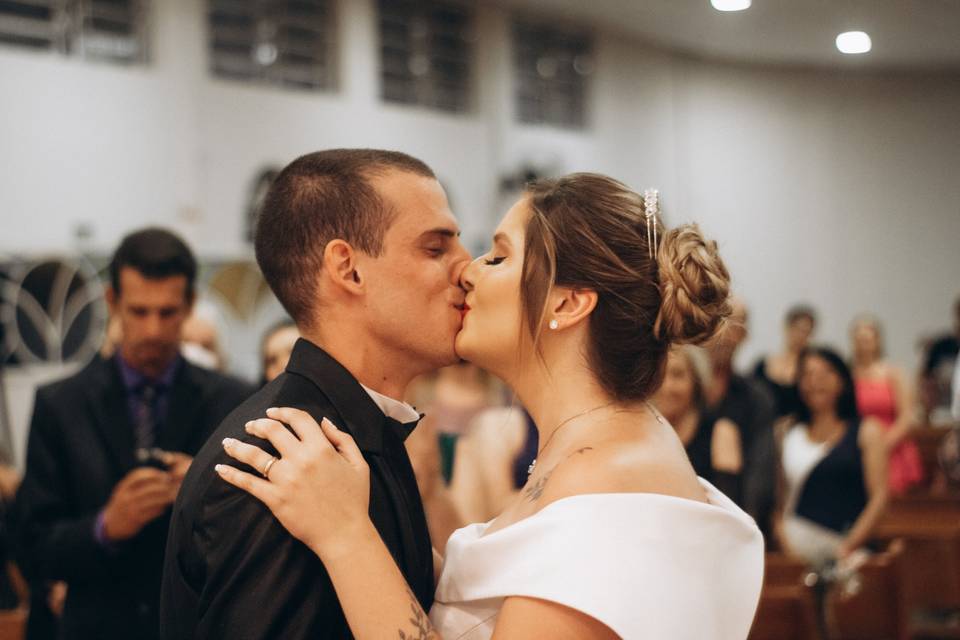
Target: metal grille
x=37 y=24
x=426 y=49
x=280 y=42
x=114 y=30
x=551 y=67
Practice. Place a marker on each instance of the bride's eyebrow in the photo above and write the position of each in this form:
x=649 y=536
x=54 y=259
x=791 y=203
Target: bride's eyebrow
x=501 y=238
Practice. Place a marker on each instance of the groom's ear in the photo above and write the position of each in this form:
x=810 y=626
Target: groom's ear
x=340 y=267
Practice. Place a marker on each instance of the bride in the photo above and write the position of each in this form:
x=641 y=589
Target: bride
x=575 y=307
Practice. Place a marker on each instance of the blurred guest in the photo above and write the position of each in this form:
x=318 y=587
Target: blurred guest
x=492 y=462
x=779 y=371
x=109 y=446
x=749 y=405
x=713 y=444
x=111 y=337
x=884 y=393
x=834 y=465
x=939 y=363
x=955 y=393
x=275 y=349
x=460 y=392
x=201 y=342
x=45 y=599
x=443 y=518
x=9 y=479
x=743 y=400
x=452 y=397
x=948 y=454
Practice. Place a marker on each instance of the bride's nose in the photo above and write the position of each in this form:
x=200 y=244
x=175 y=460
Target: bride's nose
x=468 y=276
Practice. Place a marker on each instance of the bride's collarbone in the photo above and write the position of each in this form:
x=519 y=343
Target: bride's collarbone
x=651 y=467
x=603 y=471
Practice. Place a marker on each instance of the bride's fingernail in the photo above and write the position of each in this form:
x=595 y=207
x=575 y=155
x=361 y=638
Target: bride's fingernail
x=271 y=410
x=219 y=468
x=229 y=442
x=327 y=422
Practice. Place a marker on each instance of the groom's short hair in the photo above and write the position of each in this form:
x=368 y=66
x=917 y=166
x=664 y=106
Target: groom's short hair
x=317 y=198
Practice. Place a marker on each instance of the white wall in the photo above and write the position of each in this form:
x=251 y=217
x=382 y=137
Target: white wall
x=841 y=190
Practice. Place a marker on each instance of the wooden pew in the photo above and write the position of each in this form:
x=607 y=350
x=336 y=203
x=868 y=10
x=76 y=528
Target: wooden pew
x=787 y=609
x=785 y=613
x=930 y=527
x=783 y=570
x=876 y=610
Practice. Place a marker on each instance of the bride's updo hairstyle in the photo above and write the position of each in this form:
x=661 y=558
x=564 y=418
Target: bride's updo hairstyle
x=588 y=231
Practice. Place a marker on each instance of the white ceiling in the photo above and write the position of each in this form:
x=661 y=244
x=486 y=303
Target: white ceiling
x=906 y=34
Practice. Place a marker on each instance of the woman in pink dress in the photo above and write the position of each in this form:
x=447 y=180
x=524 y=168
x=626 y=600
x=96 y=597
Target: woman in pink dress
x=883 y=393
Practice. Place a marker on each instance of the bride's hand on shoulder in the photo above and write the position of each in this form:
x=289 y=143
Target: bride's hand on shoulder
x=319 y=487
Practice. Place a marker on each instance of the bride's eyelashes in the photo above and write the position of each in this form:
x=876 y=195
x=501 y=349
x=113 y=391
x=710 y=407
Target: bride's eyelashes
x=494 y=261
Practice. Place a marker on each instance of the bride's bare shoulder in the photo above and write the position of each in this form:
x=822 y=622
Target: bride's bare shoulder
x=622 y=468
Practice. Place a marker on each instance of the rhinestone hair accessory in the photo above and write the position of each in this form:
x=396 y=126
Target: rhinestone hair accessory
x=651 y=208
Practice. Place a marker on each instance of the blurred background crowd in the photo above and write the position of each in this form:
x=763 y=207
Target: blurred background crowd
x=828 y=407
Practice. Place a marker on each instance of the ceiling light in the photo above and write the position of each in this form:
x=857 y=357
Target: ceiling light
x=730 y=5
x=853 y=42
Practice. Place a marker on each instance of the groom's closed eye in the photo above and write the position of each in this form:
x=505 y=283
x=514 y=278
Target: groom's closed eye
x=436 y=242
x=436 y=246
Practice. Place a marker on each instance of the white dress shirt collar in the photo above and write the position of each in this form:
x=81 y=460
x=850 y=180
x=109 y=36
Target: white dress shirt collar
x=399 y=411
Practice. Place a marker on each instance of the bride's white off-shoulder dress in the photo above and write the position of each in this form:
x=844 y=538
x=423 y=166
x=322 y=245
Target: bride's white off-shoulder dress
x=648 y=566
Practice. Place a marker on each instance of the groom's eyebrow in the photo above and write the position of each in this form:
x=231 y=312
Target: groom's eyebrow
x=444 y=232
x=501 y=238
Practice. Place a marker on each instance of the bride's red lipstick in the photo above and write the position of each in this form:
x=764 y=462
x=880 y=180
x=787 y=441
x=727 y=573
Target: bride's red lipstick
x=464 y=308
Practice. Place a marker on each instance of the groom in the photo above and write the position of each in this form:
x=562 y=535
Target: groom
x=362 y=250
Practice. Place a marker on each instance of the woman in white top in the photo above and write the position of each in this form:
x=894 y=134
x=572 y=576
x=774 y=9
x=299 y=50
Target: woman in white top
x=575 y=307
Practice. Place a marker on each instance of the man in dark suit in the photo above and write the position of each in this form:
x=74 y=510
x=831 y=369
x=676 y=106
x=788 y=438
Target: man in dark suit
x=750 y=406
x=362 y=250
x=109 y=446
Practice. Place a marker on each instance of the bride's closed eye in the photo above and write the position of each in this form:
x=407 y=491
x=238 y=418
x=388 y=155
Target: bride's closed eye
x=495 y=260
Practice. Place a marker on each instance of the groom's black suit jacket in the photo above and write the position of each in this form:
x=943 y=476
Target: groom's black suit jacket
x=233 y=572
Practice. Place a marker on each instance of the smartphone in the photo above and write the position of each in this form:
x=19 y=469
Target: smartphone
x=151 y=457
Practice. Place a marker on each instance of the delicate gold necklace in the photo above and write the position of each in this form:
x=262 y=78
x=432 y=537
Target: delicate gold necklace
x=571 y=419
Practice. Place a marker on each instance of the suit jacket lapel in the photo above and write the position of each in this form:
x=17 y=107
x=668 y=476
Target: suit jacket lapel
x=401 y=486
x=111 y=413
x=364 y=420
x=185 y=403
x=361 y=417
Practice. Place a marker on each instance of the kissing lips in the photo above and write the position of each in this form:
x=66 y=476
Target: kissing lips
x=464 y=308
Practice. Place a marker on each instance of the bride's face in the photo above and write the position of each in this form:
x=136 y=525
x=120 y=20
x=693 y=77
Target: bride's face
x=493 y=322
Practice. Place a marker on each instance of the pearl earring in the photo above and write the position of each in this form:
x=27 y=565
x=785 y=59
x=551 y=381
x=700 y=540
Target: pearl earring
x=554 y=324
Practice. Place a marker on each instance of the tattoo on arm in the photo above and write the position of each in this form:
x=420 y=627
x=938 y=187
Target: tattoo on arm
x=534 y=491
x=422 y=629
